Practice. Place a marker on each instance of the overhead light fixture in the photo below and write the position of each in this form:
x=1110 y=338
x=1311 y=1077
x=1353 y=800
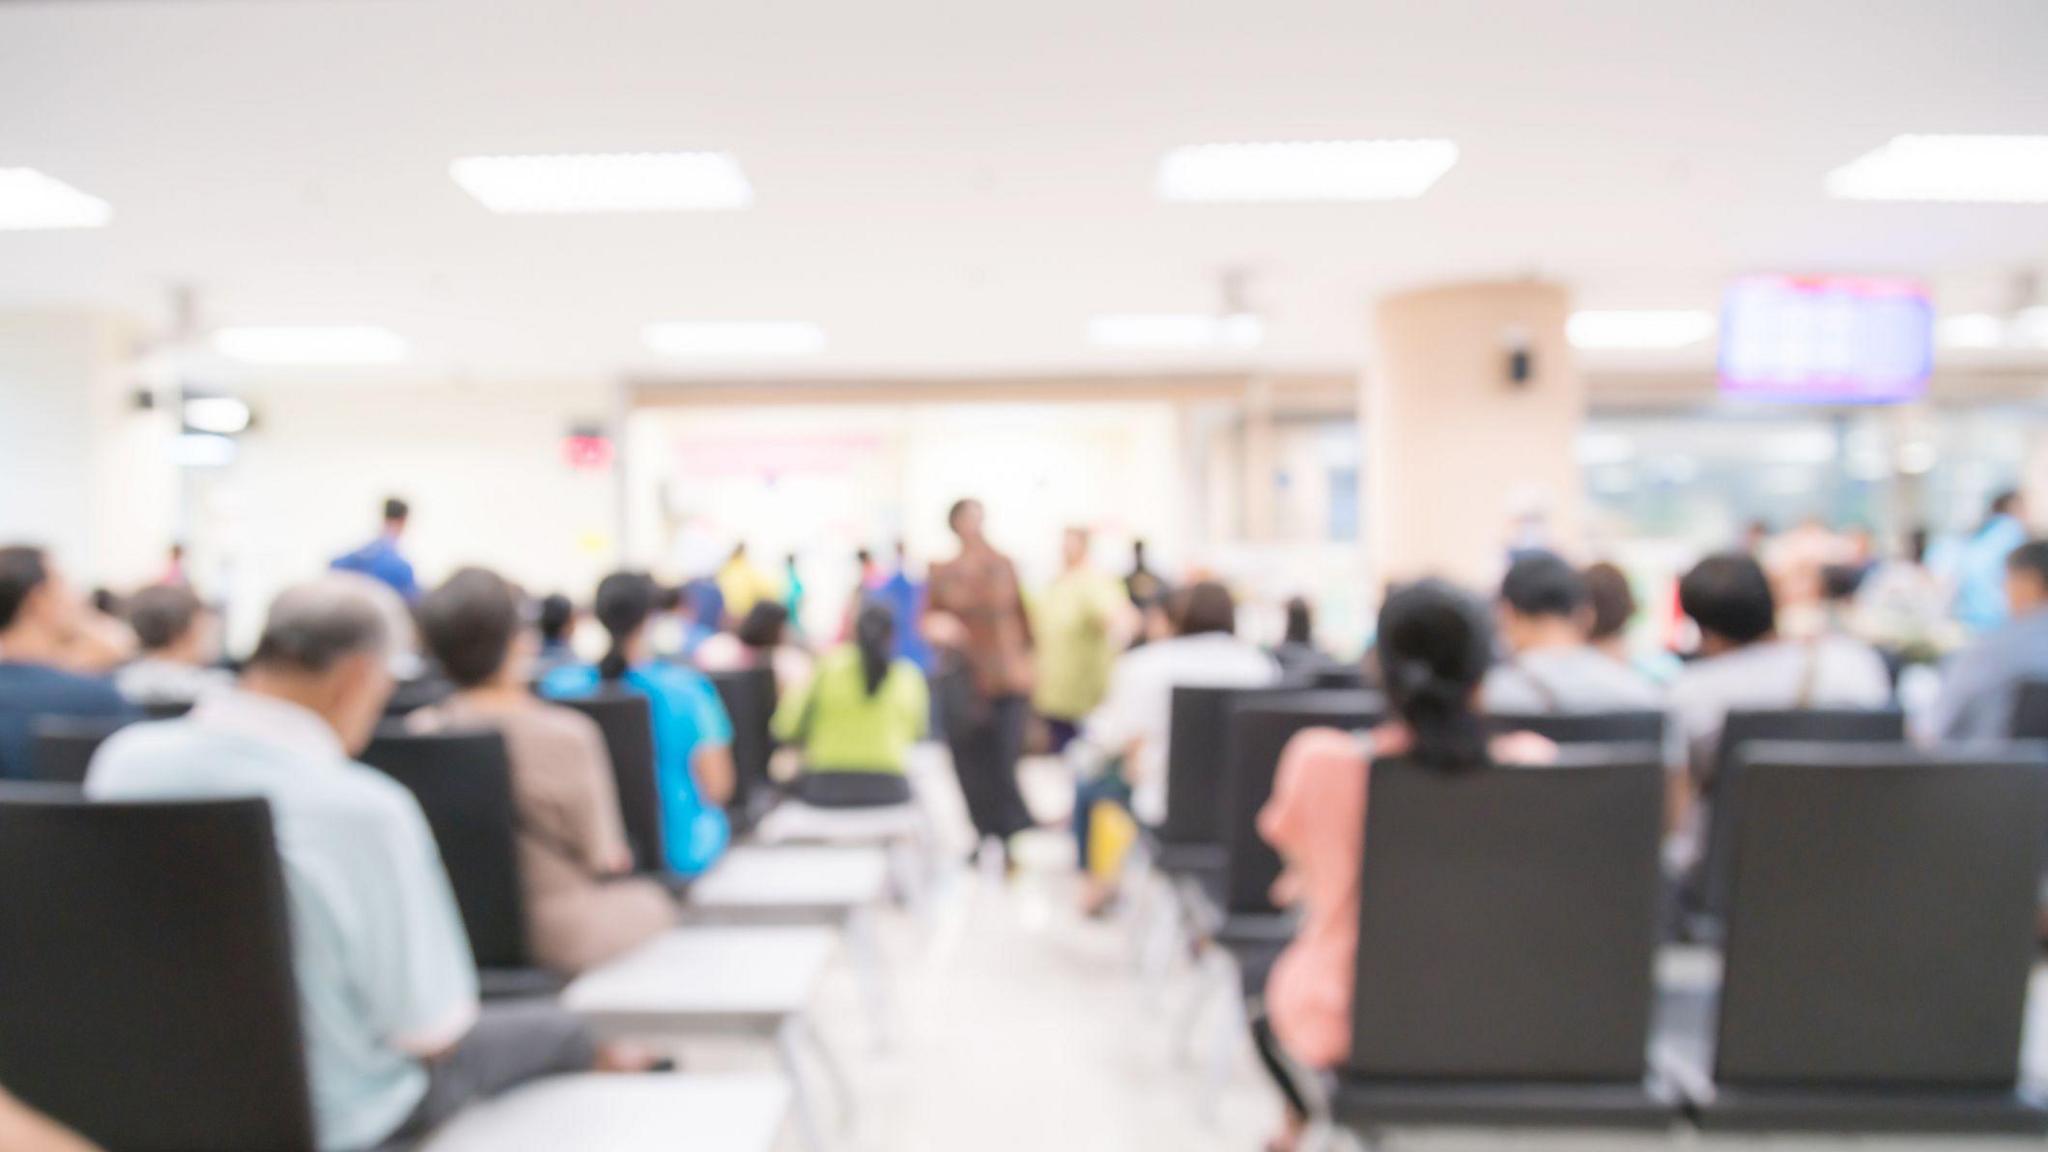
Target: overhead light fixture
x=219 y=415
x=1326 y=170
x=605 y=182
x=1953 y=169
x=734 y=339
x=32 y=201
x=1177 y=331
x=1640 y=329
x=347 y=344
x=1976 y=330
x=202 y=450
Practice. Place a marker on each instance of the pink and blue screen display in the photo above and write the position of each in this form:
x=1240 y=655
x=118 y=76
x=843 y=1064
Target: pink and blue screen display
x=1826 y=339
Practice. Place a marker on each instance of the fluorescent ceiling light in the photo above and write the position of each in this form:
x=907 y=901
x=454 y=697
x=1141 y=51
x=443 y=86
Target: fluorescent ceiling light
x=342 y=344
x=1317 y=170
x=1970 y=330
x=734 y=339
x=220 y=415
x=202 y=450
x=1642 y=329
x=1189 y=331
x=30 y=200
x=605 y=182
x=1958 y=169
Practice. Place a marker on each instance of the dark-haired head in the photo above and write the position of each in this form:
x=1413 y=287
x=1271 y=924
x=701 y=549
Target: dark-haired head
x=557 y=616
x=1542 y=584
x=2026 y=578
x=1730 y=598
x=763 y=625
x=874 y=634
x=1434 y=647
x=1301 y=623
x=164 y=617
x=624 y=604
x=471 y=625
x=1612 y=600
x=396 y=513
x=23 y=570
x=1206 y=607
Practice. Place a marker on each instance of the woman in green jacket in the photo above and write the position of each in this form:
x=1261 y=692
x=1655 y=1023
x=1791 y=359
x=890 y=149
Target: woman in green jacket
x=857 y=718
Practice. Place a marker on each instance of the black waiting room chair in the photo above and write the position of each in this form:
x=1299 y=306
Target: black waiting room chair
x=2030 y=711
x=65 y=746
x=1506 y=947
x=1191 y=838
x=146 y=989
x=626 y=721
x=463 y=783
x=1880 y=938
x=749 y=696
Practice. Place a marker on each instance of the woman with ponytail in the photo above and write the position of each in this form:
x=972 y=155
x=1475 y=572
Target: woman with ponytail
x=1434 y=646
x=692 y=733
x=857 y=718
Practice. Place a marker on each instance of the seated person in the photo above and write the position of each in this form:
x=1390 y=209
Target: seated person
x=1545 y=615
x=762 y=641
x=179 y=647
x=395 y=1040
x=41 y=618
x=572 y=844
x=1133 y=724
x=857 y=718
x=556 y=621
x=1297 y=651
x=1981 y=684
x=692 y=733
x=1742 y=664
x=1434 y=647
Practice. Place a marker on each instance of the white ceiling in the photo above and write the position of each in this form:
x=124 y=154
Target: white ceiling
x=955 y=186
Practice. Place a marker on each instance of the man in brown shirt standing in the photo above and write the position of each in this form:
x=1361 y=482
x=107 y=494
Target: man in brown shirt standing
x=977 y=620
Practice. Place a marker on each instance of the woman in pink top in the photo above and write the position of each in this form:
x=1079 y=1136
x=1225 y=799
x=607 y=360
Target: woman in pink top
x=1435 y=645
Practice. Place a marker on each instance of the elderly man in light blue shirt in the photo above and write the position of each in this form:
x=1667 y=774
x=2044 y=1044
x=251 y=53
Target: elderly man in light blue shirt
x=1982 y=683
x=387 y=987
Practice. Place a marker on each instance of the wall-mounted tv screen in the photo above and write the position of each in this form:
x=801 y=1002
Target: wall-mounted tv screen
x=1826 y=339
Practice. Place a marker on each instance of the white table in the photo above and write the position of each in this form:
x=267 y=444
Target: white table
x=601 y=1113
x=694 y=982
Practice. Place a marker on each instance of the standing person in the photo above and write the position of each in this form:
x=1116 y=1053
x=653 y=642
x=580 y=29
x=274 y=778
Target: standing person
x=556 y=623
x=380 y=559
x=179 y=648
x=692 y=733
x=396 y=1040
x=1297 y=651
x=978 y=623
x=1076 y=624
x=857 y=718
x=793 y=592
x=41 y=619
x=174 y=575
x=1980 y=566
x=1143 y=585
x=904 y=593
x=743 y=584
x=1981 y=684
x=1545 y=615
x=582 y=908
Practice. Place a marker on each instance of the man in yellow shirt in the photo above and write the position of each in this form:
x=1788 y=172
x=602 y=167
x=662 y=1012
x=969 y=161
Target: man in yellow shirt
x=743 y=584
x=1078 y=620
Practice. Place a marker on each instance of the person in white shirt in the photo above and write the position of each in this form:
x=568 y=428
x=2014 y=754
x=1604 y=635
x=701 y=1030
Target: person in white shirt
x=395 y=1039
x=1743 y=664
x=1545 y=615
x=179 y=646
x=1132 y=724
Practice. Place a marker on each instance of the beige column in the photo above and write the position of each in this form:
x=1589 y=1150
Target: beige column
x=1456 y=451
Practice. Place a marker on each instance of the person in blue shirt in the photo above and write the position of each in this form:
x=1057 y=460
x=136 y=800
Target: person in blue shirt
x=905 y=597
x=41 y=618
x=380 y=559
x=692 y=733
x=1981 y=684
x=1980 y=564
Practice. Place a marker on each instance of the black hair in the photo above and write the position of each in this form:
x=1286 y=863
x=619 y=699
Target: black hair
x=1917 y=542
x=863 y=557
x=1541 y=583
x=1839 y=582
x=106 y=603
x=1729 y=596
x=23 y=569
x=2031 y=557
x=763 y=624
x=874 y=633
x=2003 y=503
x=161 y=615
x=958 y=509
x=557 y=612
x=625 y=601
x=1301 y=626
x=396 y=510
x=1434 y=647
x=1207 y=607
x=1613 y=601
x=469 y=624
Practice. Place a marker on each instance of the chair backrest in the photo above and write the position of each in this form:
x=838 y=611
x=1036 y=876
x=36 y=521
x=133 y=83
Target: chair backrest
x=749 y=695
x=627 y=722
x=1508 y=921
x=463 y=782
x=64 y=746
x=2030 y=711
x=1338 y=676
x=1259 y=731
x=146 y=990
x=420 y=692
x=1881 y=930
x=1633 y=727
x=167 y=709
x=1198 y=741
x=1707 y=893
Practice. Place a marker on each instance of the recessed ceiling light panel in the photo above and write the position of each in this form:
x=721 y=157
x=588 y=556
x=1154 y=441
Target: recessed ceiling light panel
x=605 y=182
x=1952 y=169
x=1323 y=170
x=31 y=200
x=346 y=344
